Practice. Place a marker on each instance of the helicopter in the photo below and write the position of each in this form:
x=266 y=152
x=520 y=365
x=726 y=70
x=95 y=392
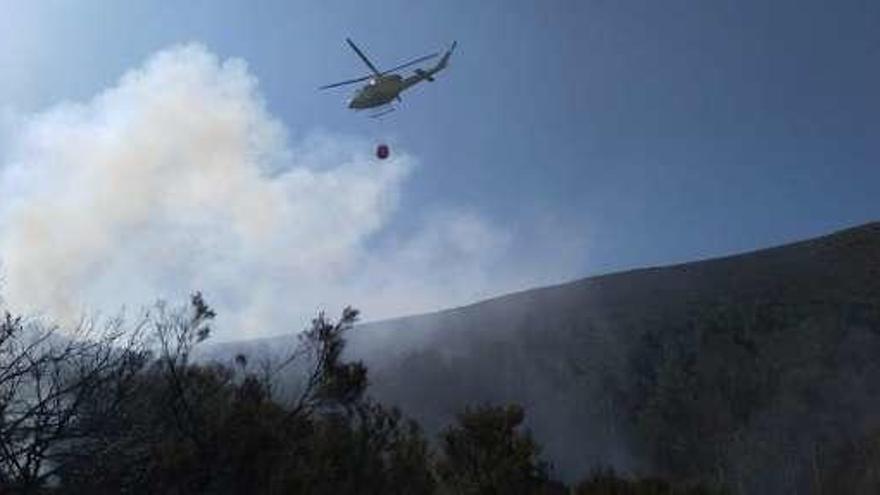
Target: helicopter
x=383 y=87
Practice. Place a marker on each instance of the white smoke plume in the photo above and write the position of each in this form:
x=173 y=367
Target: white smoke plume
x=178 y=179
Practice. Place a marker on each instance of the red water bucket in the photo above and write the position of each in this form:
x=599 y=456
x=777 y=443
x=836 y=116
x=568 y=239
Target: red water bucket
x=382 y=151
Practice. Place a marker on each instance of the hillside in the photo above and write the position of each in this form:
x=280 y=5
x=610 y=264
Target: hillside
x=750 y=370
x=843 y=266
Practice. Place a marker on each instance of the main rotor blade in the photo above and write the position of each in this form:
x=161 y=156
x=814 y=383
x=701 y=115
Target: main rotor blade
x=343 y=83
x=411 y=62
x=362 y=56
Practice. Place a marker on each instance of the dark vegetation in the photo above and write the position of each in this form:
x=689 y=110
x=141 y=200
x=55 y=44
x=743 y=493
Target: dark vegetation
x=759 y=372
x=128 y=410
x=751 y=374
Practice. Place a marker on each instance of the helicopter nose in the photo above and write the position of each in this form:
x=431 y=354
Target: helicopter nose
x=357 y=102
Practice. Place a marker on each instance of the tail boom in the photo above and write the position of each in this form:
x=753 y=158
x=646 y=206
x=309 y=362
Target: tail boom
x=428 y=75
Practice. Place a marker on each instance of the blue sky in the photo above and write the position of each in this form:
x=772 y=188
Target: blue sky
x=658 y=131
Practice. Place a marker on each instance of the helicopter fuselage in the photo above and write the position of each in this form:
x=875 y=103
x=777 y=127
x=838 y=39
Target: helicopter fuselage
x=379 y=91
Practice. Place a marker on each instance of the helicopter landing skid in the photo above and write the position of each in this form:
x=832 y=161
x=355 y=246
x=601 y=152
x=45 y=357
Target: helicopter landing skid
x=382 y=112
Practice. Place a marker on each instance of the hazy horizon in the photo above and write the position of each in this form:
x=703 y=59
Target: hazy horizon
x=150 y=151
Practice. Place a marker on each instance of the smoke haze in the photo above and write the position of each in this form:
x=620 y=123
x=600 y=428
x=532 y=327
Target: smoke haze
x=179 y=179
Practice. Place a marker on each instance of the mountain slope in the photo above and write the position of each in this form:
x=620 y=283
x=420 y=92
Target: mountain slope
x=570 y=353
x=839 y=267
x=752 y=370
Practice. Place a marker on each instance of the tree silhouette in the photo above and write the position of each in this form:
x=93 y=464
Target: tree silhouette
x=485 y=453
